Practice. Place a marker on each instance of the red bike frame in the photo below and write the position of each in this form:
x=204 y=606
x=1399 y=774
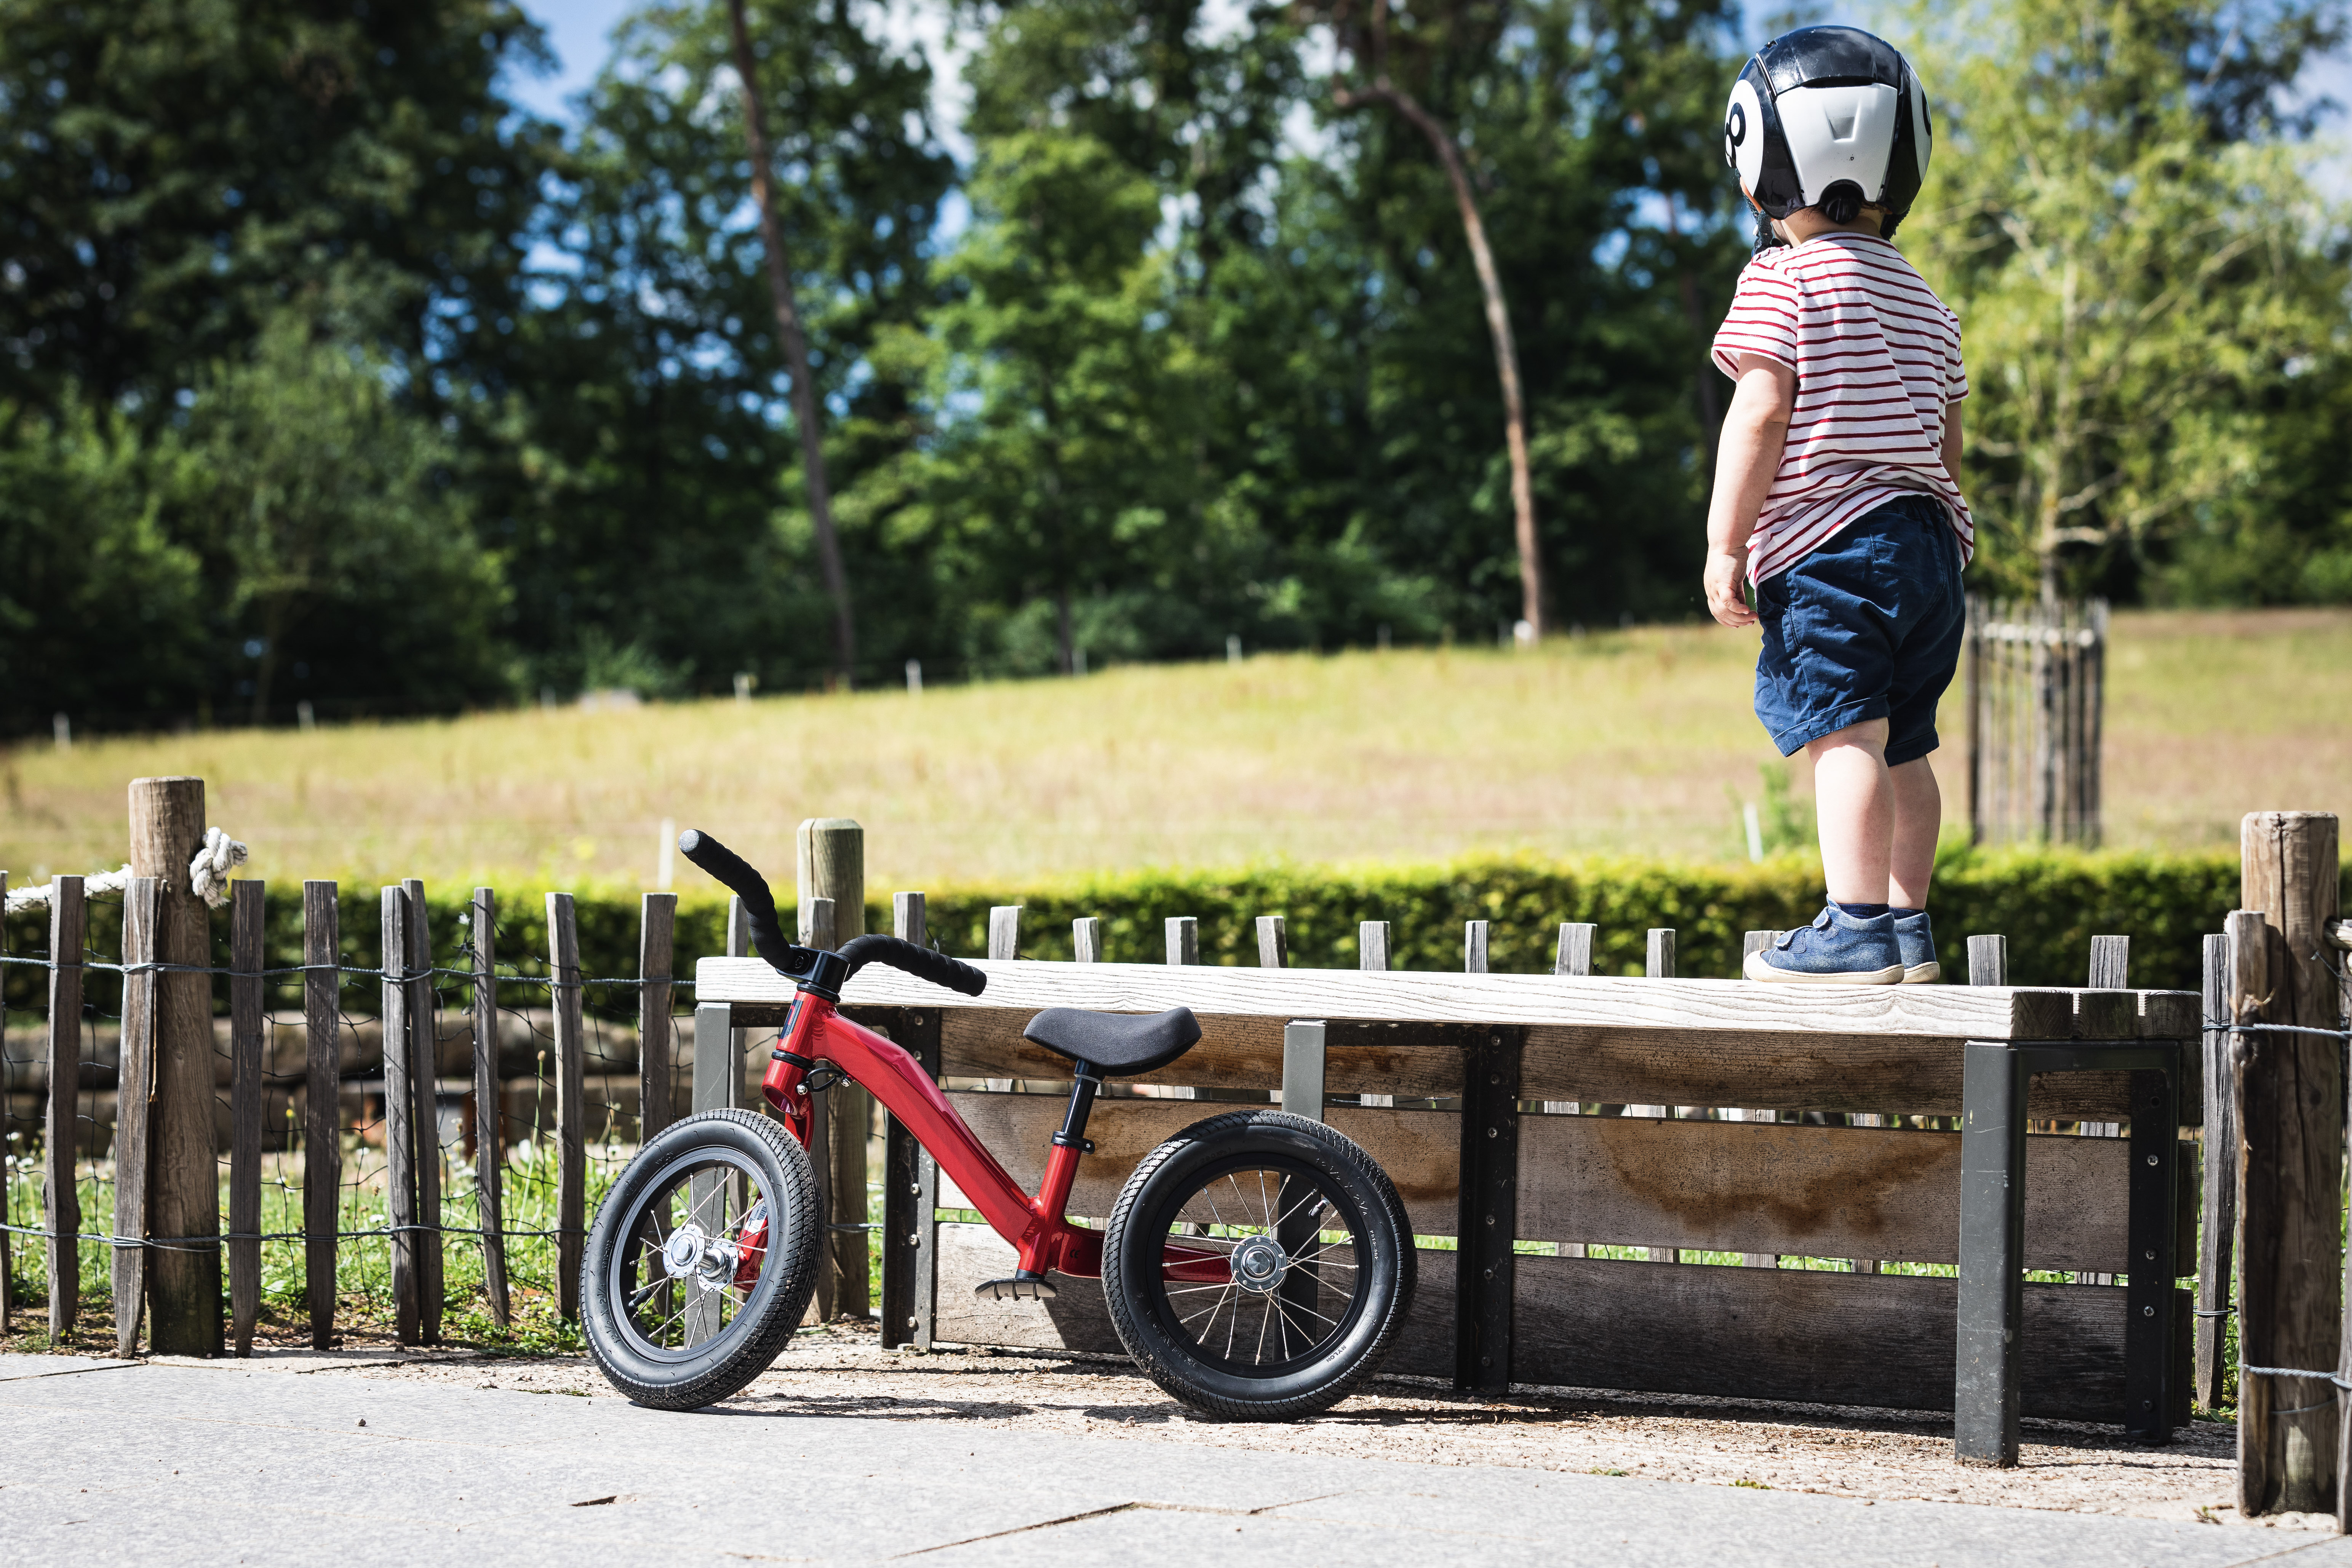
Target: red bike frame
x=1037 y=1226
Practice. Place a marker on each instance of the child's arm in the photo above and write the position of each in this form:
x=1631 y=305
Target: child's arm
x=1952 y=441
x=1745 y=458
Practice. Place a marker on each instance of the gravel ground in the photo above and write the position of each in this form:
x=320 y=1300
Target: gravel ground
x=1871 y=1454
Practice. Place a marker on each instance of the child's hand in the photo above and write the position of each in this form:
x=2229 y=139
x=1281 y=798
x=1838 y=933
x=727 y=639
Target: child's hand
x=1727 y=581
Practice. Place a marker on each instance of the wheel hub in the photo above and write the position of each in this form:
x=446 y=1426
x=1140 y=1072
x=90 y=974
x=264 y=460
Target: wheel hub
x=689 y=1251
x=1258 y=1265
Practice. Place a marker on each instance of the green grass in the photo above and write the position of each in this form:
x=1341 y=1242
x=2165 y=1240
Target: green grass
x=1640 y=743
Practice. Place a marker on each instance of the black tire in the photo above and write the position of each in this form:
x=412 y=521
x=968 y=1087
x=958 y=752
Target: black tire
x=1331 y=1312
x=679 y=1340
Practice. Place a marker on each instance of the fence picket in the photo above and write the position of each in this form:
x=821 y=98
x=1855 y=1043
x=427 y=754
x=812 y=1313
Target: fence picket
x=489 y=1109
x=424 y=1045
x=134 y=1105
x=571 y=1114
x=399 y=1116
x=68 y=919
x=246 y=1051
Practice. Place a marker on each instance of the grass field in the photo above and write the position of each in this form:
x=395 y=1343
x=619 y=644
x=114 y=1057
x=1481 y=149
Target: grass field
x=1639 y=743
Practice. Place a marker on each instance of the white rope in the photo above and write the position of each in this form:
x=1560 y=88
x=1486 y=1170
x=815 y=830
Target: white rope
x=215 y=859
x=208 y=876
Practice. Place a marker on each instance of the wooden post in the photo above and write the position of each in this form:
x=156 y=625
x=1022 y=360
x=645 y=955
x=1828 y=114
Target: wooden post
x=322 y=1129
x=832 y=867
x=2290 y=1135
x=907 y=919
x=1005 y=931
x=69 y=922
x=817 y=930
x=1273 y=942
x=245 y=906
x=1575 y=955
x=1659 y=965
x=1086 y=939
x=571 y=1114
x=424 y=1077
x=8 y=1296
x=1373 y=946
x=399 y=1115
x=716 y=1086
x=134 y=1107
x=1988 y=961
x=1183 y=938
x=489 y=1107
x=2214 y=1236
x=656 y=964
x=183 y=1281
x=1474 y=947
x=1751 y=943
x=909 y=1178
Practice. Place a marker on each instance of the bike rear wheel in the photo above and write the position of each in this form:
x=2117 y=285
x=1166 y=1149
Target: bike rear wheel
x=1258 y=1265
x=702 y=1260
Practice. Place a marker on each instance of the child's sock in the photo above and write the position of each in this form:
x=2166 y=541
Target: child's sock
x=1860 y=911
x=1900 y=914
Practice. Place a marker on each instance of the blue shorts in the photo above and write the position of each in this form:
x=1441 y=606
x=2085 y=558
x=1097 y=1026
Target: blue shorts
x=1867 y=626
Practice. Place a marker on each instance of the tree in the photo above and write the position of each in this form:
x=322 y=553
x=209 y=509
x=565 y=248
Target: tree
x=1059 y=454
x=1369 y=44
x=341 y=542
x=2134 y=269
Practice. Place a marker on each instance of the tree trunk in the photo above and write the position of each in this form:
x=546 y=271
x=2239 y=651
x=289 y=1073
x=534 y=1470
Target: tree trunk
x=1498 y=326
x=787 y=326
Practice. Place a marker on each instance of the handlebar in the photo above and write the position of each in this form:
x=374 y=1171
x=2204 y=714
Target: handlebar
x=737 y=876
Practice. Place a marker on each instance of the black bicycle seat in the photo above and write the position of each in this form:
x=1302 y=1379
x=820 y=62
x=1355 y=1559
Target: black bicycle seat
x=1117 y=1044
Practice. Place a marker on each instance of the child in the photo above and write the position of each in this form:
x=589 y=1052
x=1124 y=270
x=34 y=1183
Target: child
x=1836 y=500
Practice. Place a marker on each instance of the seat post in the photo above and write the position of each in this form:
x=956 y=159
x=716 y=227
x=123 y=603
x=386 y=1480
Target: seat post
x=1082 y=1099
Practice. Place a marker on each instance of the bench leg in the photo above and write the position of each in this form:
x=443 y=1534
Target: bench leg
x=2148 y=1369
x=1993 y=1226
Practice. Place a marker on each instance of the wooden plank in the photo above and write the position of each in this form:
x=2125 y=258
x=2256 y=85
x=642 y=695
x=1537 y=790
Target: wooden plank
x=1820 y=1192
x=183 y=1281
x=2110 y=963
x=247 y=902
x=1615 y=1067
x=1077 y=1320
x=1988 y=961
x=424 y=1052
x=2219 y=1207
x=907 y=919
x=1657 y=963
x=2289 y=1129
x=1474 y=947
x=1420 y=1150
x=1660 y=957
x=1273 y=942
x=657 y=959
x=1086 y=939
x=1736 y=1008
x=571 y=1112
x=1888 y=1341
x=322 y=1131
x=1183 y=938
x=69 y=928
x=134 y=1113
x=906 y=1218
x=1372 y=945
x=399 y=1116
x=490 y=1131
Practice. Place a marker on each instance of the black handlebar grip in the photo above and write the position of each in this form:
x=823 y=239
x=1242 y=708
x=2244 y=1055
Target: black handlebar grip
x=920 y=962
x=729 y=869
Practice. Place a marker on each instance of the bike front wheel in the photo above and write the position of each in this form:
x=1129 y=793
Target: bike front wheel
x=702 y=1260
x=1258 y=1265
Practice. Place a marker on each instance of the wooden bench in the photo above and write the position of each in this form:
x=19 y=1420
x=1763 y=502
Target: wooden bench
x=1479 y=1163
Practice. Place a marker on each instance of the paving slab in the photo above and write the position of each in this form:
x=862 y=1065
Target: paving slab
x=13 y=1367
x=223 y=1463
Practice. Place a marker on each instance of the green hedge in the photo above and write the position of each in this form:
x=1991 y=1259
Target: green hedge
x=2049 y=905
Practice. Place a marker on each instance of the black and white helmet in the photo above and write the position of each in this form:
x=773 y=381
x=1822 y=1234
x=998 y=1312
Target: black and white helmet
x=1828 y=115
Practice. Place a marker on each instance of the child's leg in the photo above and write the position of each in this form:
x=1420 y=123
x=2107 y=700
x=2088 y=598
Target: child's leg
x=1918 y=818
x=1855 y=808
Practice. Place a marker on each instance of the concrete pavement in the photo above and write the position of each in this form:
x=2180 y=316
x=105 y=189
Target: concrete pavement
x=227 y=1462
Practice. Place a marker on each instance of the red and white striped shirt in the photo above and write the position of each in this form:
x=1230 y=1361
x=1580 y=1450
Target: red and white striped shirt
x=1877 y=358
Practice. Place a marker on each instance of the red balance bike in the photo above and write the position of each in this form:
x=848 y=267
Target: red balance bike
x=1256 y=1266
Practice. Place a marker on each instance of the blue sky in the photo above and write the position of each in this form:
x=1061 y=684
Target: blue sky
x=579 y=30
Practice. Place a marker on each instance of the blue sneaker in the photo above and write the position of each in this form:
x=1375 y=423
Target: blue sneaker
x=1918 y=944
x=1835 y=949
